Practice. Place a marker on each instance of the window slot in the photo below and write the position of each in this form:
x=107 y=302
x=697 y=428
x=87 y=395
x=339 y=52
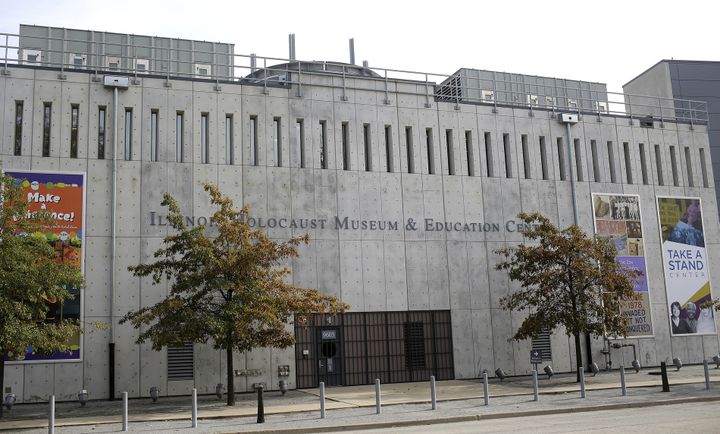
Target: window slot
x=561 y=158
x=345 y=133
x=628 y=163
x=611 y=162
x=388 y=149
x=204 y=138
x=47 y=123
x=595 y=165
x=300 y=141
x=18 y=128
x=688 y=164
x=673 y=165
x=543 y=159
x=703 y=167
x=579 y=176
x=229 y=142
x=450 y=151
x=323 y=145
x=277 y=142
x=643 y=164
x=430 y=151
x=409 y=149
x=526 y=156
x=367 y=142
x=154 y=135
x=74 y=126
x=489 y=154
x=253 y=140
x=508 y=155
x=470 y=152
x=179 y=134
x=102 y=122
x=128 y=134
x=658 y=164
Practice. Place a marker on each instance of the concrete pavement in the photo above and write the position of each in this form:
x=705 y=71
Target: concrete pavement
x=406 y=403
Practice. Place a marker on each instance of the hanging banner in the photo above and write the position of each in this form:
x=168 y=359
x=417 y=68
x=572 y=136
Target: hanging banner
x=62 y=195
x=617 y=217
x=685 y=262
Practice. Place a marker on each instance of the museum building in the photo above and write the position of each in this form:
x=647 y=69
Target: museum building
x=406 y=182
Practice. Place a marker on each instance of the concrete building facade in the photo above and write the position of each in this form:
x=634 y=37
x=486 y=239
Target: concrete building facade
x=406 y=196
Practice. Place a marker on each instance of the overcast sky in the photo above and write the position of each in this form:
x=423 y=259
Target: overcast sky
x=605 y=41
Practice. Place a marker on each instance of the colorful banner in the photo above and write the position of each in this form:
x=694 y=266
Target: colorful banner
x=617 y=217
x=685 y=261
x=63 y=196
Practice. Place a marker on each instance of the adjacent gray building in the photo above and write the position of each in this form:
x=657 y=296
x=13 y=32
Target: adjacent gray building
x=405 y=187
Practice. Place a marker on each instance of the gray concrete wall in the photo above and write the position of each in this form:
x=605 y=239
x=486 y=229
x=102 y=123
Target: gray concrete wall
x=372 y=270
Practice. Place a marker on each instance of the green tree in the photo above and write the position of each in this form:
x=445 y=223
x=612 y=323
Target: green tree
x=229 y=289
x=567 y=280
x=31 y=278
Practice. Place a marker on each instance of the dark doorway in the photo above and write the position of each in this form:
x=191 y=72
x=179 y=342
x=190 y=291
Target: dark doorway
x=329 y=353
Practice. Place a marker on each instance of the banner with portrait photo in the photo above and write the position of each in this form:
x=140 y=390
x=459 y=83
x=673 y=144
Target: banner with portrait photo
x=685 y=262
x=618 y=218
x=62 y=195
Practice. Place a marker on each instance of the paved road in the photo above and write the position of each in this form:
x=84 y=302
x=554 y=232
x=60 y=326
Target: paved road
x=703 y=417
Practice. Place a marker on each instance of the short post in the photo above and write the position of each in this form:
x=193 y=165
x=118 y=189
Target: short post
x=378 y=404
x=582 y=382
x=623 y=387
x=485 y=388
x=707 y=374
x=433 y=396
x=125 y=411
x=663 y=374
x=194 y=408
x=51 y=416
x=536 y=393
x=261 y=405
x=322 y=400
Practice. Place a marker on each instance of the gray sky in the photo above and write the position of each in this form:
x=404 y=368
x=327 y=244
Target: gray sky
x=606 y=41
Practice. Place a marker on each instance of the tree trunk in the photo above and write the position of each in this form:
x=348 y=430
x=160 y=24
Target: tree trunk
x=2 y=382
x=578 y=355
x=230 y=376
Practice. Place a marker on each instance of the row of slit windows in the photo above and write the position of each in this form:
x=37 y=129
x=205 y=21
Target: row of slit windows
x=470 y=147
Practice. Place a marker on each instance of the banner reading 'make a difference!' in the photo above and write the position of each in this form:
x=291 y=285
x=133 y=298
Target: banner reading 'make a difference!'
x=685 y=262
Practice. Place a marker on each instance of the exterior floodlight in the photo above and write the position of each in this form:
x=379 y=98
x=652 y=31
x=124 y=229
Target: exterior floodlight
x=83 y=397
x=154 y=393
x=716 y=359
x=283 y=387
x=678 y=363
x=636 y=365
x=500 y=374
x=594 y=368
x=548 y=370
x=9 y=401
x=219 y=390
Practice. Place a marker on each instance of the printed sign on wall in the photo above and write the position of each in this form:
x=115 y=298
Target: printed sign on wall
x=685 y=263
x=617 y=217
x=63 y=196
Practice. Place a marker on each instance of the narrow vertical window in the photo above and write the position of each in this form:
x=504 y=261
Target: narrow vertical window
x=489 y=154
x=470 y=153
x=628 y=163
x=204 y=138
x=368 y=147
x=643 y=164
x=229 y=144
x=179 y=134
x=345 y=133
x=74 y=126
x=388 y=148
x=526 y=156
x=323 y=145
x=47 y=122
x=595 y=164
x=544 y=159
x=579 y=176
x=128 y=134
x=253 y=140
x=703 y=168
x=450 y=151
x=300 y=143
x=18 y=128
x=673 y=166
x=101 y=133
x=430 y=151
x=154 y=135
x=508 y=155
x=611 y=162
x=561 y=158
x=658 y=165
x=688 y=164
x=409 y=149
x=277 y=128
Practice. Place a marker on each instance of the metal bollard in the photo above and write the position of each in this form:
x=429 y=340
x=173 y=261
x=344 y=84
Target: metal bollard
x=322 y=400
x=125 y=411
x=194 y=408
x=261 y=405
x=51 y=417
x=623 y=387
x=485 y=388
x=707 y=374
x=433 y=396
x=378 y=405
x=582 y=382
x=663 y=374
x=536 y=392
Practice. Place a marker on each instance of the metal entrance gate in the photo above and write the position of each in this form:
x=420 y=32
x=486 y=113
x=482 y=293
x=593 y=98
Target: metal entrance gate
x=358 y=347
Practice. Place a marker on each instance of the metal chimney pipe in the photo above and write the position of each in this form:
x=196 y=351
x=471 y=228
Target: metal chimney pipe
x=292 y=46
x=352 y=51
x=366 y=64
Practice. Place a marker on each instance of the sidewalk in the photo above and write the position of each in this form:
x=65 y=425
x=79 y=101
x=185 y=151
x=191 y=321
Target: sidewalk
x=404 y=403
